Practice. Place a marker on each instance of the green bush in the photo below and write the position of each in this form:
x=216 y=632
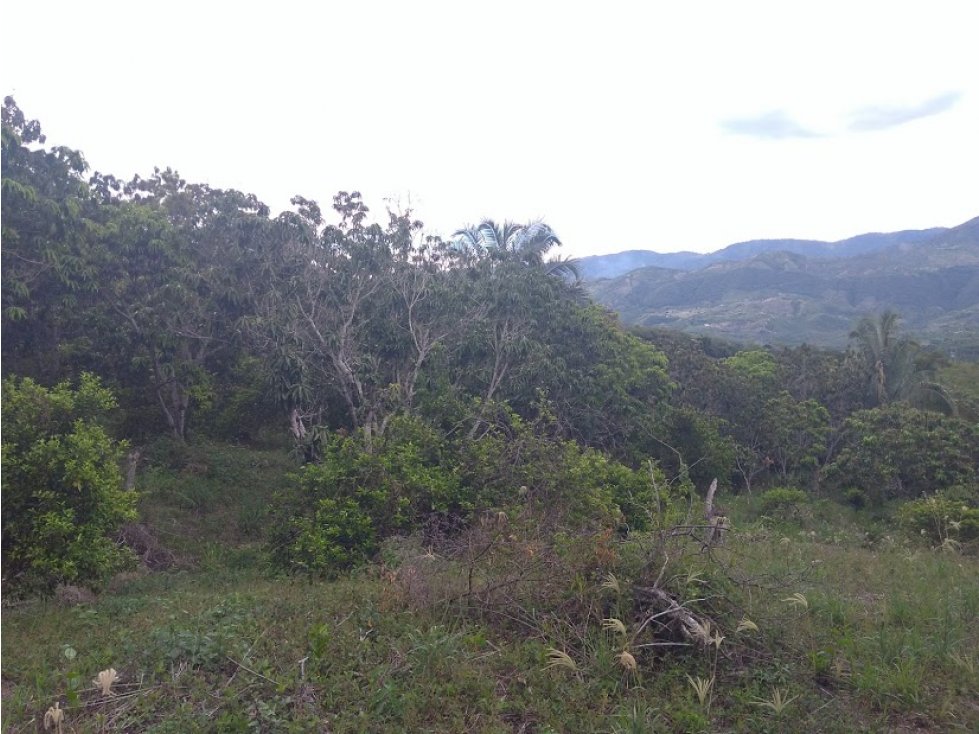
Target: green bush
x=63 y=496
x=940 y=517
x=898 y=452
x=413 y=479
x=856 y=498
x=696 y=434
x=353 y=496
x=336 y=535
x=782 y=503
x=572 y=486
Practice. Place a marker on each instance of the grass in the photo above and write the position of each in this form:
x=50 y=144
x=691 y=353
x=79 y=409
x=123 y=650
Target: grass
x=886 y=639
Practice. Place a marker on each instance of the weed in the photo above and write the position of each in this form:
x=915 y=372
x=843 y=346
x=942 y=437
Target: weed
x=105 y=679
x=560 y=659
x=627 y=661
x=611 y=583
x=614 y=625
x=639 y=718
x=403 y=648
x=798 y=599
x=777 y=703
x=702 y=687
x=54 y=717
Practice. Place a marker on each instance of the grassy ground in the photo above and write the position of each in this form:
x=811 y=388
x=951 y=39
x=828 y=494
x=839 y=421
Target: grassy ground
x=859 y=629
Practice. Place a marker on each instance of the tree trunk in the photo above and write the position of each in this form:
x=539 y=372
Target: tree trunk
x=296 y=425
x=132 y=463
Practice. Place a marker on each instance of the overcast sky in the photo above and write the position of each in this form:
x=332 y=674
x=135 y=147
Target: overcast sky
x=665 y=126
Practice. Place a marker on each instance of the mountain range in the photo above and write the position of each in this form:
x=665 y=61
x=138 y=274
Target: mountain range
x=796 y=291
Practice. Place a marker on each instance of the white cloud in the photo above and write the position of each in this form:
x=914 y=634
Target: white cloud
x=883 y=117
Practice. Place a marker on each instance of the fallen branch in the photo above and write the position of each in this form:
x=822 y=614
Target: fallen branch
x=665 y=605
x=253 y=672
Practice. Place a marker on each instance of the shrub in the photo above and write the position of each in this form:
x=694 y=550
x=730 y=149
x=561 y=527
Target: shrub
x=696 y=434
x=940 y=517
x=898 y=452
x=573 y=486
x=856 y=498
x=344 y=505
x=63 y=496
x=782 y=503
x=336 y=535
x=352 y=497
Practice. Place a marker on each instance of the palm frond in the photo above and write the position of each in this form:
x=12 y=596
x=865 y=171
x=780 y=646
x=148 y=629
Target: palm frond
x=566 y=268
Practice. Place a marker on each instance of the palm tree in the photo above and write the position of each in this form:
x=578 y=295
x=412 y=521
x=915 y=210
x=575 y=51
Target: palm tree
x=511 y=242
x=874 y=345
x=894 y=368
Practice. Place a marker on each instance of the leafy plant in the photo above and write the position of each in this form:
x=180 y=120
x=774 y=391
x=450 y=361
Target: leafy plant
x=782 y=503
x=63 y=495
x=898 y=452
x=777 y=703
x=941 y=517
x=335 y=534
x=353 y=497
x=702 y=687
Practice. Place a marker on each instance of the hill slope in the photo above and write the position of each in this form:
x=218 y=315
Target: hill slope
x=611 y=266
x=787 y=297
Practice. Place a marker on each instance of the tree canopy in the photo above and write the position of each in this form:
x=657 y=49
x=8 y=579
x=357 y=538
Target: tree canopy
x=207 y=315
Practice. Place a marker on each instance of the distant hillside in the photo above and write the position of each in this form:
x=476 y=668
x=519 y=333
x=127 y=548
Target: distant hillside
x=594 y=267
x=611 y=266
x=787 y=297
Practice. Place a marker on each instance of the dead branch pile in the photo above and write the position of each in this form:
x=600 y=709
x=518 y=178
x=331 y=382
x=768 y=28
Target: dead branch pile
x=147 y=547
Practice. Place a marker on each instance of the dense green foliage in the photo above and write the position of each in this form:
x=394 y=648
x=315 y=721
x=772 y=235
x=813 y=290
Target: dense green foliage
x=186 y=298
x=412 y=480
x=63 y=495
x=210 y=317
x=352 y=497
x=944 y=516
x=902 y=452
x=782 y=503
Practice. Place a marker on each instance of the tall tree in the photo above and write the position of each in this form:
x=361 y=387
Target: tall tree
x=365 y=309
x=48 y=222
x=895 y=369
x=526 y=244
x=174 y=279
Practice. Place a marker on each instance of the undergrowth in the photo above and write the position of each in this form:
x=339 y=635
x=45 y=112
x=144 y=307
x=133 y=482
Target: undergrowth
x=819 y=621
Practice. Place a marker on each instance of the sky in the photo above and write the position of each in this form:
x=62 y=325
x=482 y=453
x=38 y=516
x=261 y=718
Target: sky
x=624 y=125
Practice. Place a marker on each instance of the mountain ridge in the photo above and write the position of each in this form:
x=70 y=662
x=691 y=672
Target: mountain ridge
x=780 y=296
x=593 y=267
